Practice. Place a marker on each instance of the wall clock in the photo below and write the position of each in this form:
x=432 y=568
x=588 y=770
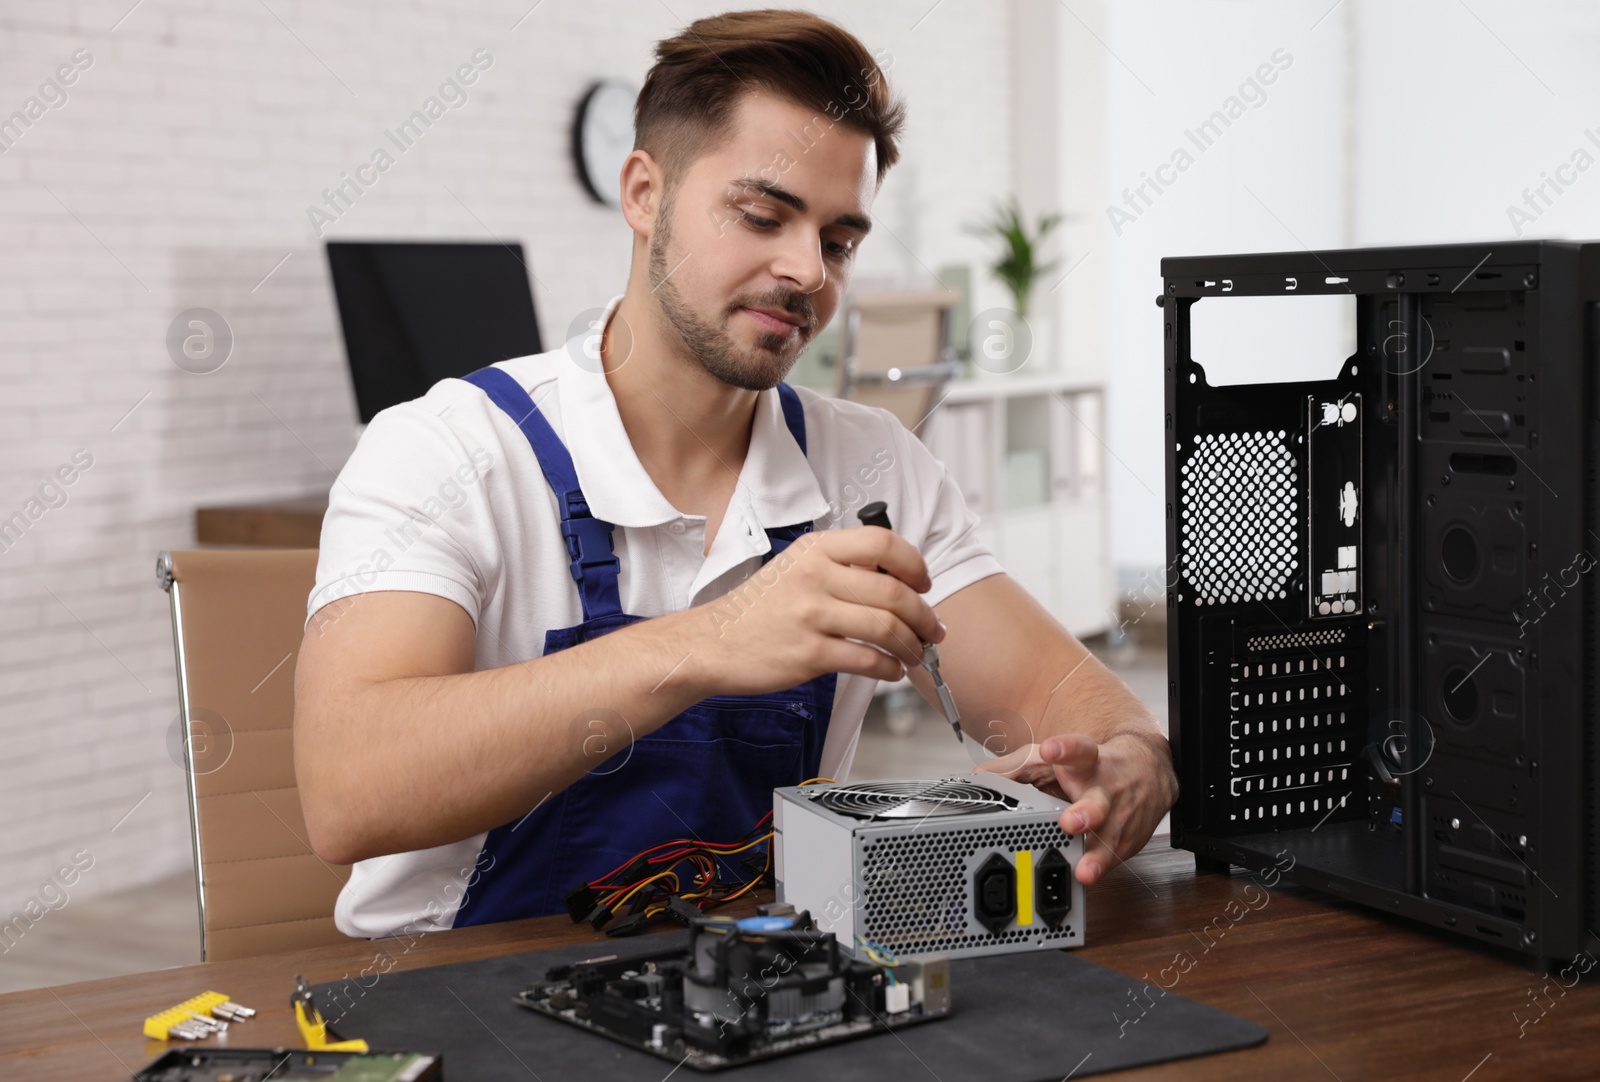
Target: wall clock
x=602 y=138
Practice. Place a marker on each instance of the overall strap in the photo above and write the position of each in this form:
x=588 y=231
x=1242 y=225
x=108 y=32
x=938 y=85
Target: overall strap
x=594 y=562
x=794 y=416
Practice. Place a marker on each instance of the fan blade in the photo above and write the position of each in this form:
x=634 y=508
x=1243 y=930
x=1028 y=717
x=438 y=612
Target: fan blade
x=913 y=799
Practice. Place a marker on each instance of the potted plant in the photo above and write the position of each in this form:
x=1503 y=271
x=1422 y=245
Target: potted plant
x=1018 y=265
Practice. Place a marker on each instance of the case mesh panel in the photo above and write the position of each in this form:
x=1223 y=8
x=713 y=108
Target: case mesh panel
x=1241 y=503
x=1295 y=726
x=1291 y=640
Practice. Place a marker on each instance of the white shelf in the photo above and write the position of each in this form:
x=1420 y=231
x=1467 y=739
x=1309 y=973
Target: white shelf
x=985 y=388
x=1002 y=435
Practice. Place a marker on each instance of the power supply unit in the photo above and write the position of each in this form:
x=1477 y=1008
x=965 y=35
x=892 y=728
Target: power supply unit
x=1382 y=633
x=961 y=866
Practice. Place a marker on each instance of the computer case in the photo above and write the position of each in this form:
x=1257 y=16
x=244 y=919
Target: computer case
x=1381 y=589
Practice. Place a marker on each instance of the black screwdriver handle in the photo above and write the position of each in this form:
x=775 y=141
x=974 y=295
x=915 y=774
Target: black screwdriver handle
x=875 y=513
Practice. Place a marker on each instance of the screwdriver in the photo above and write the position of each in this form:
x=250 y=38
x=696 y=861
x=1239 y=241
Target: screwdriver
x=876 y=513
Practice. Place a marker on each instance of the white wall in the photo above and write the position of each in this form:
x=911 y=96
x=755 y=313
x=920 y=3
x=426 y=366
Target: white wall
x=1271 y=181
x=1522 y=88
x=177 y=175
x=1080 y=285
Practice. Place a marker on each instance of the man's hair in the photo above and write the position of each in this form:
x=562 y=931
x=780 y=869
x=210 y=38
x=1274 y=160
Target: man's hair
x=689 y=96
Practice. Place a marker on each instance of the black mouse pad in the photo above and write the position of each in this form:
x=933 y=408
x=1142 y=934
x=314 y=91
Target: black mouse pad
x=1014 y=1018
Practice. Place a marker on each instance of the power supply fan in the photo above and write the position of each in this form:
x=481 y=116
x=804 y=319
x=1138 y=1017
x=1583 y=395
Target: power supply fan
x=912 y=799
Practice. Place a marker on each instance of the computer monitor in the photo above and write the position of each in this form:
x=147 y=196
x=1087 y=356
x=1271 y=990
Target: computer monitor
x=416 y=312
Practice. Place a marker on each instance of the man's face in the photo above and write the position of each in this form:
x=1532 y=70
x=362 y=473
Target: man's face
x=768 y=219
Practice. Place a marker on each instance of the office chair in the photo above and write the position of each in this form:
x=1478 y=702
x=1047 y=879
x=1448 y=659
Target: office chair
x=237 y=619
x=897 y=352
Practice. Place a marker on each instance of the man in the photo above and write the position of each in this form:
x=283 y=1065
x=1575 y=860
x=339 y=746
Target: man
x=584 y=602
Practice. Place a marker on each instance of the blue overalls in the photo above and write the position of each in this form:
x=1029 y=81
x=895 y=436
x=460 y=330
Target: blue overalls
x=708 y=773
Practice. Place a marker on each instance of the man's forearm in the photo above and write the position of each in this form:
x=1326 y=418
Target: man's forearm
x=1093 y=700
x=416 y=762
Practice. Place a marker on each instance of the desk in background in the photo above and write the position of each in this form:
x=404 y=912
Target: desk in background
x=1344 y=992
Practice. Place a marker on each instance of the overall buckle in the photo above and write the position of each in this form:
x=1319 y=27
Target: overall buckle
x=589 y=542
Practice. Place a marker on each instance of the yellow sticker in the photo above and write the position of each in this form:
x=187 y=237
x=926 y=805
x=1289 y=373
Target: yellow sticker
x=1024 y=888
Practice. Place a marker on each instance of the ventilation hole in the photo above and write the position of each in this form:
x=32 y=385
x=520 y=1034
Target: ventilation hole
x=1460 y=694
x=1240 y=502
x=1296 y=640
x=1459 y=553
x=1268 y=752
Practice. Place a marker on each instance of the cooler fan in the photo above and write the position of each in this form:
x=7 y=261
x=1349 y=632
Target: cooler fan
x=913 y=799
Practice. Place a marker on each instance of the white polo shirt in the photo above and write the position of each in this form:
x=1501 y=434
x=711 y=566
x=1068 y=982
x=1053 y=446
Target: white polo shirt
x=443 y=495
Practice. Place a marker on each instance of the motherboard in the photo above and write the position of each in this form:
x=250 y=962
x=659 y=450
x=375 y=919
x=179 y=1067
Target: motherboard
x=744 y=990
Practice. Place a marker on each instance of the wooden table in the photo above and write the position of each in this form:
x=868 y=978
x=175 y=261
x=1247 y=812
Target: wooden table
x=1345 y=993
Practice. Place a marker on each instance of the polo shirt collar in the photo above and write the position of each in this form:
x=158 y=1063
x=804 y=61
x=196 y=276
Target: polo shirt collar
x=777 y=486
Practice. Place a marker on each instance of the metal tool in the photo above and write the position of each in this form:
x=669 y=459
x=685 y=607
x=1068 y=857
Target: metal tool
x=947 y=701
x=876 y=513
x=318 y=1035
x=197 y=1018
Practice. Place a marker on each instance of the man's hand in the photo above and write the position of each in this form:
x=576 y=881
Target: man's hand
x=1119 y=789
x=819 y=606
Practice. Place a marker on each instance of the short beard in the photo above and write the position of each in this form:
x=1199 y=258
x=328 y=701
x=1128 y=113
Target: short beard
x=712 y=347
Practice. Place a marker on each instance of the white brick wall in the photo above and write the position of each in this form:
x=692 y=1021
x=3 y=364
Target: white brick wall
x=181 y=166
